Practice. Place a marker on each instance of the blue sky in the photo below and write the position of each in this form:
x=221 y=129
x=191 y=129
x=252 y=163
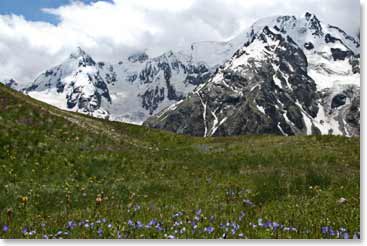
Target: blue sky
x=31 y=9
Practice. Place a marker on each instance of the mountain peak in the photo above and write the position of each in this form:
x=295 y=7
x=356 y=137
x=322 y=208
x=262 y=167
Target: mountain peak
x=138 y=57
x=79 y=52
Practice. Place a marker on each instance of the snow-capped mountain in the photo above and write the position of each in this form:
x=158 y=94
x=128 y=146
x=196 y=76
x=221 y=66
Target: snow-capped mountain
x=12 y=83
x=292 y=76
x=130 y=91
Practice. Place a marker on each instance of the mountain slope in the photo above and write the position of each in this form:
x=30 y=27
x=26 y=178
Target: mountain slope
x=293 y=76
x=129 y=91
x=68 y=175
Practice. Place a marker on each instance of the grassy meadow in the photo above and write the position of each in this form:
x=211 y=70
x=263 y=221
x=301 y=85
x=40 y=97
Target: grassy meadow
x=66 y=175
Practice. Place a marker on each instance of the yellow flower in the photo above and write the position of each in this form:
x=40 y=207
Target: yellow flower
x=24 y=200
x=99 y=199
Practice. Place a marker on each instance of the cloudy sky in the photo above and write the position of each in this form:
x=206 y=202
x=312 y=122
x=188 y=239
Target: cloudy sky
x=37 y=34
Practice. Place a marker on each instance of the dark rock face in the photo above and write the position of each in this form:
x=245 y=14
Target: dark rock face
x=165 y=67
x=140 y=57
x=309 y=46
x=152 y=98
x=338 y=100
x=339 y=54
x=11 y=83
x=248 y=100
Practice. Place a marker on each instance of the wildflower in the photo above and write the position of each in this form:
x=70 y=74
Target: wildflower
x=86 y=225
x=136 y=208
x=275 y=226
x=99 y=200
x=45 y=237
x=242 y=214
x=342 y=200
x=43 y=225
x=198 y=212
x=70 y=225
x=248 y=202
x=159 y=227
x=324 y=229
x=346 y=235
x=131 y=223
x=24 y=200
x=104 y=220
x=209 y=229
x=151 y=223
x=119 y=235
x=356 y=236
x=171 y=237
x=100 y=232
x=139 y=225
x=25 y=230
x=178 y=214
x=260 y=222
x=58 y=233
x=241 y=235
x=5 y=228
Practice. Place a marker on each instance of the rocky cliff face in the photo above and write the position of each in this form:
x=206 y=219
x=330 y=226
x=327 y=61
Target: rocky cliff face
x=291 y=77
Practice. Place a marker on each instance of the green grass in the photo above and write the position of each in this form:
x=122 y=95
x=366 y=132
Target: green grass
x=60 y=162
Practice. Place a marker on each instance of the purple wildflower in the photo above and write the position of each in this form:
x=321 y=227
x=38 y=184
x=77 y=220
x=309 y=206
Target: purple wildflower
x=5 y=228
x=209 y=229
x=139 y=225
x=324 y=229
x=100 y=232
x=346 y=235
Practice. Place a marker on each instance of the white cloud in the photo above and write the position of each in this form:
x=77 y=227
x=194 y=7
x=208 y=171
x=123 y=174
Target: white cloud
x=109 y=30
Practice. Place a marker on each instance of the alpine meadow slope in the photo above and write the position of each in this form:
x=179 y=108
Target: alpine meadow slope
x=68 y=175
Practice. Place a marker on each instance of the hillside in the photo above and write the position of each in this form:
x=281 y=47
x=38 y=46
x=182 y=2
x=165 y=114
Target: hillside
x=67 y=175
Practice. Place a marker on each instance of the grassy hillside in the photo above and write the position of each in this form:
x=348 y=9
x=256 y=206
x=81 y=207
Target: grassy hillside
x=65 y=175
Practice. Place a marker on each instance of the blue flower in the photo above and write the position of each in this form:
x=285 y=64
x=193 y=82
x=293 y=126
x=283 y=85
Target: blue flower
x=24 y=230
x=100 y=232
x=198 y=212
x=209 y=229
x=275 y=226
x=324 y=229
x=346 y=235
x=139 y=225
x=45 y=237
x=171 y=237
x=5 y=228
